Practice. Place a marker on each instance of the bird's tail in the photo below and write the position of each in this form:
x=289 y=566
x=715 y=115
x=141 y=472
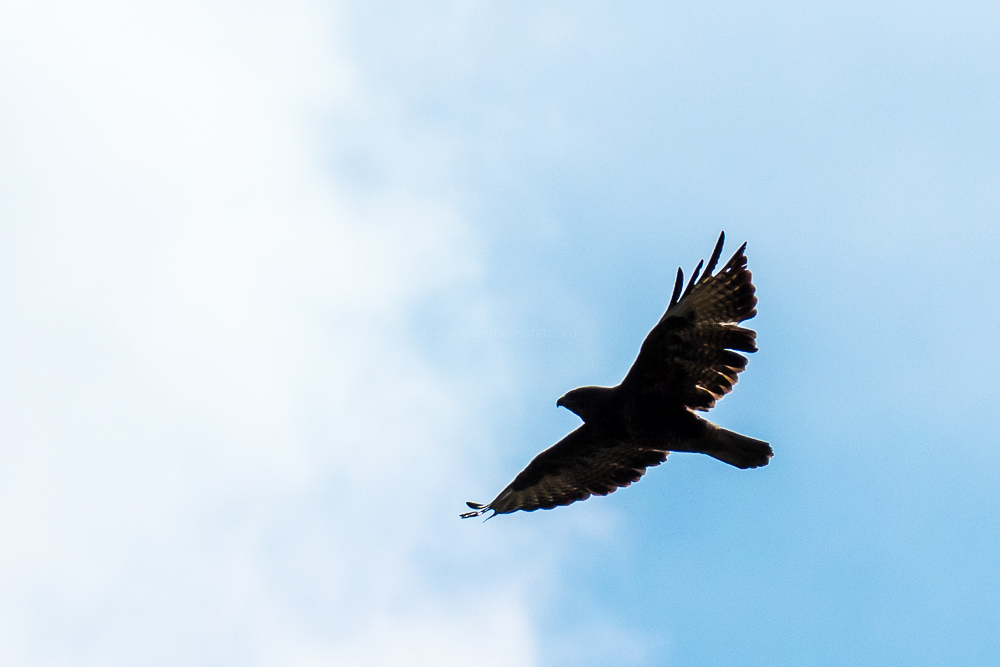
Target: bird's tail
x=735 y=449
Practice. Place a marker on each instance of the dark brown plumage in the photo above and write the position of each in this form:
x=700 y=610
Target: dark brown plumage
x=688 y=361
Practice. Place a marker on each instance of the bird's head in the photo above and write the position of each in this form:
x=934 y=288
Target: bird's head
x=585 y=402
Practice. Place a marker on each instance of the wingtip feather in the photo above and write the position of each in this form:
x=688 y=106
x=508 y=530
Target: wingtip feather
x=678 y=284
x=694 y=278
x=715 y=256
x=479 y=511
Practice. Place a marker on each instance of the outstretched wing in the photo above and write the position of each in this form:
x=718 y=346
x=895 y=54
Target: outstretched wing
x=688 y=358
x=582 y=464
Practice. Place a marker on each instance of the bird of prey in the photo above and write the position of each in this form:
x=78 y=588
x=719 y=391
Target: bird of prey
x=688 y=361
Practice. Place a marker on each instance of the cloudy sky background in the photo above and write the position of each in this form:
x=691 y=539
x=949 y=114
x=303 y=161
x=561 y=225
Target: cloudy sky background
x=282 y=284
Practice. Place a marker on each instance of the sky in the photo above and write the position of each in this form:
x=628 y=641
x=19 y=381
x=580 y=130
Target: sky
x=284 y=284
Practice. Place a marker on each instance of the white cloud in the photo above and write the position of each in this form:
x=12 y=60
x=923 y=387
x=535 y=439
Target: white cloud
x=209 y=412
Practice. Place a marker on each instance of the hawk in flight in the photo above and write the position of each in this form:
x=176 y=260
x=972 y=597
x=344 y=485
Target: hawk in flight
x=688 y=361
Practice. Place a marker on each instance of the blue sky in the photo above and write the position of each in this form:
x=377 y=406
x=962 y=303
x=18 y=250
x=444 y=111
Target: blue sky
x=283 y=284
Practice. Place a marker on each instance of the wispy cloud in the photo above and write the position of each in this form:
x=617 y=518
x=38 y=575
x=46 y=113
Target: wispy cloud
x=210 y=418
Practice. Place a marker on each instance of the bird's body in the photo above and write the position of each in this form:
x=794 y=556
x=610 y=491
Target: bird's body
x=687 y=362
